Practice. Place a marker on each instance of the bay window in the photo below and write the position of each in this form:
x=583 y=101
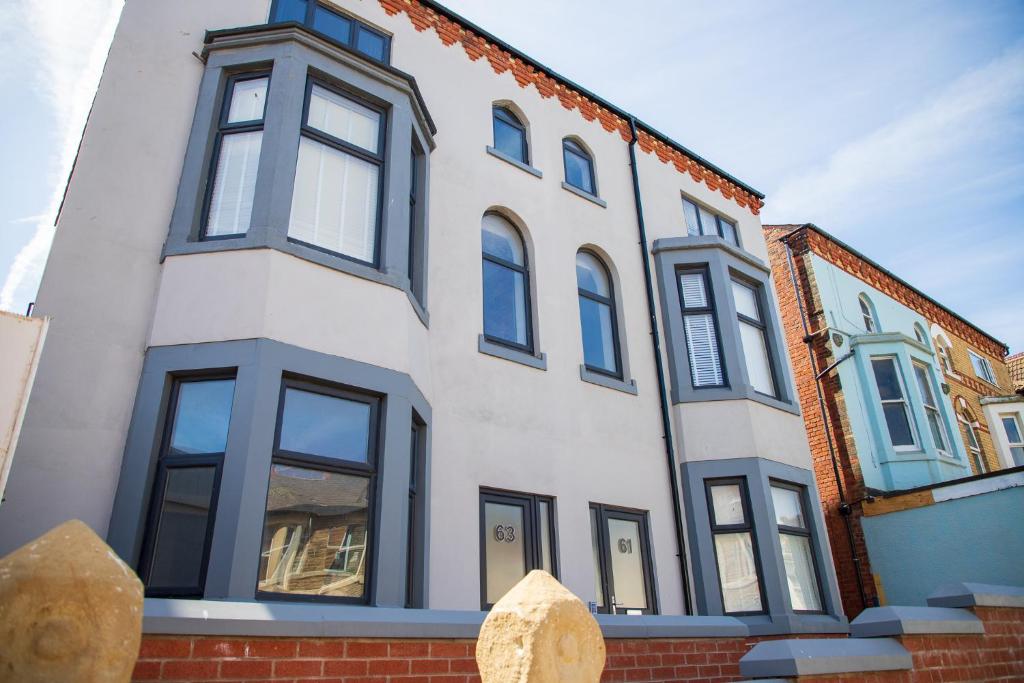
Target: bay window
x=336 y=197
x=342 y=28
x=701 y=329
x=936 y=424
x=796 y=544
x=702 y=221
x=895 y=408
x=736 y=556
x=753 y=338
x=1013 y=437
x=237 y=154
x=317 y=530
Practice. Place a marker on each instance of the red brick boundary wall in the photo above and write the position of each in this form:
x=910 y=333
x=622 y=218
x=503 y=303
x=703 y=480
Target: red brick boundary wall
x=996 y=655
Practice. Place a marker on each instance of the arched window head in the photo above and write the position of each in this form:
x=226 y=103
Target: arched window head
x=973 y=444
x=945 y=357
x=506 y=284
x=919 y=334
x=597 y=315
x=510 y=134
x=867 y=311
x=579 y=167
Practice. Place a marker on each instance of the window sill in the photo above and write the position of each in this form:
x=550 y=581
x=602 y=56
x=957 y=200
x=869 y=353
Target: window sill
x=728 y=394
x=515 y=162
x=538 y=361
x=608 y=382
x=586 y=195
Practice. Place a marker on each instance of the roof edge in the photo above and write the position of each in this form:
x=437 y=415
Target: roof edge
x=796 y=227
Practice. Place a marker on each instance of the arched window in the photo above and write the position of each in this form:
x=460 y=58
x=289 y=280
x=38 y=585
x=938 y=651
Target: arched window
x=510 y=135
x=597 y=315
x=867 y=311
x=973 y=444
x=506 y=284
x=945 y=357
x=579 y=167
x=919 y=334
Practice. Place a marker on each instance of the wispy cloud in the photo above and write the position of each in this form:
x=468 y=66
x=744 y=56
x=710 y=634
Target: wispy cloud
x=871 y=171
x=69 y=43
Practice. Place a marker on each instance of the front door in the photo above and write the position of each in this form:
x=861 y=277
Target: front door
x=622 y=561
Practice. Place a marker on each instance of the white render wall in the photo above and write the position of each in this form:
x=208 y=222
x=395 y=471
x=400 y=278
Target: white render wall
x=495 y=423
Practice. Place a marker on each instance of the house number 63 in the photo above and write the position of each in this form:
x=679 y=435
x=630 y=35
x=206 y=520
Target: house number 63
x=504 y=533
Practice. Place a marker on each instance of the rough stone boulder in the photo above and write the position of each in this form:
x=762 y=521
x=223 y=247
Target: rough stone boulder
x=539 y=632
x=70 y=610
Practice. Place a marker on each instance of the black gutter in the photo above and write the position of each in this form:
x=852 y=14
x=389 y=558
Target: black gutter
x=897 y=278
x=666 y=419
x=845 y=511
x=490 y=37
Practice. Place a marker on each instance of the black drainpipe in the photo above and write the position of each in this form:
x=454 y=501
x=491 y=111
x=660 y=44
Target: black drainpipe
x=844 y=507
x=666 y=419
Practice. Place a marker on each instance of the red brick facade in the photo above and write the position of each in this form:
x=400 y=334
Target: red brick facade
x=998 y=654
x=526 y=74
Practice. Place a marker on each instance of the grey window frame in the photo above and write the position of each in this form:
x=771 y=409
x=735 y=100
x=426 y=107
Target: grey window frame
x=414 y=561
x=724 y=262
x=377 y=158
x=530 y=502
x=167 y=461
x=746 y=527
x=570 y=146
x=293 y=53
x=717 y=228
x=711 y=310
x=500 y=112
x=261 y=366
x=356 y=25
x=352 y=468
x=806 y=532
x=604 y=512
x=224 y=129
x=524 y=270
x=609 y=301
x=762 y=325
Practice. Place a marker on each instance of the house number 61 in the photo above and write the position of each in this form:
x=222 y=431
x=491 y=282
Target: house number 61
x=626 y=546
x=504 y=533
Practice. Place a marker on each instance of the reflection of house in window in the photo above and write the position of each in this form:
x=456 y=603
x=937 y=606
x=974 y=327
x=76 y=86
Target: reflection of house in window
x=315 y=540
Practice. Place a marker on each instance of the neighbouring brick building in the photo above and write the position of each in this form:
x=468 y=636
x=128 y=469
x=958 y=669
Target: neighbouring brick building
x=912 y=394
x=1016 y=365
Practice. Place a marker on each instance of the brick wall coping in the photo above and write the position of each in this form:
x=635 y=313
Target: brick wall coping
x=793 y=624
x=977 y=595
x=1012 y=398
x=901 y=620
x=886 y=502
x=825 y=656
x=230 y=618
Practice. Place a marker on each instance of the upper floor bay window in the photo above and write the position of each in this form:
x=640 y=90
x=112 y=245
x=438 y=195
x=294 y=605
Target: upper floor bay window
x=895 y=407
x=597 y=315
x=184 y=503
x=506 y=284
x=936 y=425
x=703 y=221
x=754 y=338
x=579 y=167
x=342 y=28
x=867 y=312
x=1014 y=438
x=237 y=156
x=336 y=198
x=700 y=329
x=982 y=367
x=510 y=135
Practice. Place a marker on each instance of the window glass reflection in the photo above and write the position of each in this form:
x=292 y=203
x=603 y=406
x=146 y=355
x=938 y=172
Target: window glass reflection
x=202 y=415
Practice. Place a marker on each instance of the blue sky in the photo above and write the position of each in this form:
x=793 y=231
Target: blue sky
x=896 y=126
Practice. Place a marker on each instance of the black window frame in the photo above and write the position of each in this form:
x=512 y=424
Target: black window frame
x=354 y=468
x=719 y=219
x=378 y=158
x=531 y=524
x=605 y=512
x=417 y=171
x=570 y=146
x=527 y=295
x=712 y=310
x=223 y=130
x=608 y=301
x=166 y=460
x=762 y=324
x=509 y=117
x=747 y=527
x=805 y=511
x=356 y=25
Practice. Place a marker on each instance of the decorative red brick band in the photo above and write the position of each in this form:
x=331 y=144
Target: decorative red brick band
x=475 y=47
x=856 y=266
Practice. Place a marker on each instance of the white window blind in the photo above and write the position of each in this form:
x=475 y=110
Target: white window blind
x=699 y=327
x=234 y=184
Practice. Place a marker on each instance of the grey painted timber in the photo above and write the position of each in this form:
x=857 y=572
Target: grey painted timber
x=901 y=620
x=806 y=657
